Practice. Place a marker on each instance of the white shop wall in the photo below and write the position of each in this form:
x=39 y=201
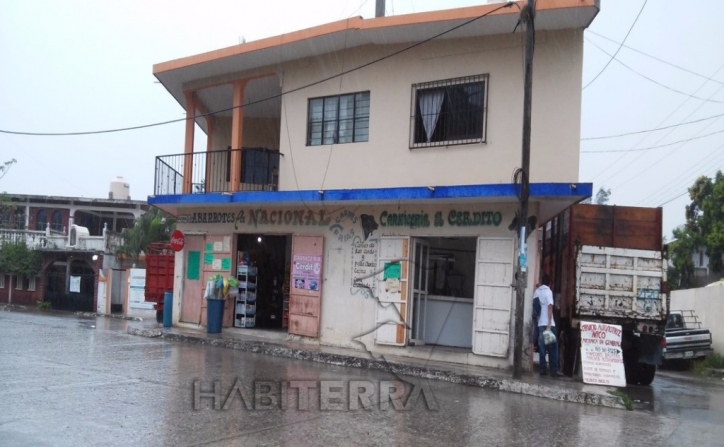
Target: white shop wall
x=348 y=313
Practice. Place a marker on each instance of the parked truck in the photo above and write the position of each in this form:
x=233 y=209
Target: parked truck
x=686 y=340
x=159 y=274
x=607 y=265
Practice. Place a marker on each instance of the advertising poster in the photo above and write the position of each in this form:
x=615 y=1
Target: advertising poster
x=364 y=264
x=601 y=355
x=137 y=289
x=306 y=271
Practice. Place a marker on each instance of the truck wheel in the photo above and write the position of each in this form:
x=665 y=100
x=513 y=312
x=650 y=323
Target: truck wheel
x=159 y=316
x=640 y=373
x=647 y=373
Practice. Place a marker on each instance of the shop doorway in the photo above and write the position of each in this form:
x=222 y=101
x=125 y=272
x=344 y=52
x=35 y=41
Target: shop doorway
x=263 y=271
x=443 y=289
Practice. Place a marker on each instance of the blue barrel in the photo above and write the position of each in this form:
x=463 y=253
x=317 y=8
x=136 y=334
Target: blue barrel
x=167 y=308
x=214 y=315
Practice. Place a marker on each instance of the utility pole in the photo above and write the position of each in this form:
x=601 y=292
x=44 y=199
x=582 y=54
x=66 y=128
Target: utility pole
x=527 y=16
x=380 y=8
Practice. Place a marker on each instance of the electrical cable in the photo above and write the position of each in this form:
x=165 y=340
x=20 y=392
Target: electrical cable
x=652 y=147
x=710 y=174
x=660 y=139
x=714 y=157
x=652 y=80
x=278 y=95
x=356 y=10
x=588 y=31
x=684 y=143
x=671 y=200
x=619 y=48
x=651 y=130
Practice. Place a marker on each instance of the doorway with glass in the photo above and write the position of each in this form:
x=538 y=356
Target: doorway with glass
x=442 y=292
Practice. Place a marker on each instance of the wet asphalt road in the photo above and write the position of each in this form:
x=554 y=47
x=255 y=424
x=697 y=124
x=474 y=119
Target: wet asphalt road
x=71 y=381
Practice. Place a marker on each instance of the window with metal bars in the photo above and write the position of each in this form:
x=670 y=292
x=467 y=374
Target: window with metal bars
x=449 y=112
x=339 y=119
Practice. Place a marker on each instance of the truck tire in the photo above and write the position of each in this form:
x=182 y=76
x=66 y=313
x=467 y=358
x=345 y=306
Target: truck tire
x=570 y=352
x=647 y=374
x=159 y=316
x=640 y=373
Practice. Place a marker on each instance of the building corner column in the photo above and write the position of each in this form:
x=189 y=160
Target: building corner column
x=189 y=141
x=237 y=124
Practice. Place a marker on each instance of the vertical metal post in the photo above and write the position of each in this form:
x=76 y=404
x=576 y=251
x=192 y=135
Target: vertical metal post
x=527 y=16
x=380 y=8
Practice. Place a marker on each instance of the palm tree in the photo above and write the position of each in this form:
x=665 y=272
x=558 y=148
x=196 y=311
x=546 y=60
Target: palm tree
x=153 y=226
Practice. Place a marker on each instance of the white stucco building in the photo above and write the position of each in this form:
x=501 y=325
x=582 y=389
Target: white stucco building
x=375 y=205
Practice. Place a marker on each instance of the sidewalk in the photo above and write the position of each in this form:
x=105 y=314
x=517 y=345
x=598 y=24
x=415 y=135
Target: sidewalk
x=563 y=389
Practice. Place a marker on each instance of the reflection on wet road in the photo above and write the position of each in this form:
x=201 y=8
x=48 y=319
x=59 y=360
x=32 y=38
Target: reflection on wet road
x=70 y=381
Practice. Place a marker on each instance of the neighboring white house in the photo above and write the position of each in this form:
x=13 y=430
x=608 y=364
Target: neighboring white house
x=375 y=205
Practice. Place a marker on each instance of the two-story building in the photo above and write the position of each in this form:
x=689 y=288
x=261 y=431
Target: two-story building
x=76 y=238
x=364 y=170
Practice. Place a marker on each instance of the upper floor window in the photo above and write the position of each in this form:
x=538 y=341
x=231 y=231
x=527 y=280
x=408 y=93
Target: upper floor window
x=449 y=112
x=41 y=220
x=19 y=218
x=56 y=222
x=339 y=119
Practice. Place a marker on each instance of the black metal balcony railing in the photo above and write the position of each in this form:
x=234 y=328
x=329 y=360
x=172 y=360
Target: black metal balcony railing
x=211 y=171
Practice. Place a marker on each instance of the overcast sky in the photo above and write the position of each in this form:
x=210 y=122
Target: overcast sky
x=78 y=65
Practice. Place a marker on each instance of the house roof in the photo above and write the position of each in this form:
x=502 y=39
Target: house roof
x=220 y=66
x=62 y=201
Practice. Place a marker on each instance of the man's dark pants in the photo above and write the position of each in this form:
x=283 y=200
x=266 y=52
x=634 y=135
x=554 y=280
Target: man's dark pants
x=551 y=349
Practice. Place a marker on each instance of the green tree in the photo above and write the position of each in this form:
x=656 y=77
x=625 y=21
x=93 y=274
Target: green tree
x=686 y=241
x=704 y=227
x=19 y=259
x=602 y=197
x=705 y=214
x=153 y=226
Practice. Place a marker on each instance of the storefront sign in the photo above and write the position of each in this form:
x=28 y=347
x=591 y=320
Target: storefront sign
x=255 y=218
x=177 y=240
x=137 y=289
x=364 y=264
x=454 y=218
x=306 y=270
x=601 y=355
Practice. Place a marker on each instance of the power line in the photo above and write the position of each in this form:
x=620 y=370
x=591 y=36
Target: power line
x=653 y=147
x=671 y=200
x=667 y=134
x=278 y=95
x=661 y=159
x=711 y=173
x=714 y=156
x=651 y=130
x=655 y=58
x=619 y=47
x=650 y=79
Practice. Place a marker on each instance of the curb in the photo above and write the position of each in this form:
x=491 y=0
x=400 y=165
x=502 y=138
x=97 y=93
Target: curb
x=9 y=307
x=119 y=317
x=508 y=385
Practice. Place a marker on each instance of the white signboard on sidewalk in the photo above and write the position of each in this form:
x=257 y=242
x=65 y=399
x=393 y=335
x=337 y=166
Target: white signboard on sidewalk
x=137 y=289
x=601 y=355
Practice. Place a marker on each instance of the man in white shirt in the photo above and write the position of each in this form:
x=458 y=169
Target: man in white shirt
x=545 y=322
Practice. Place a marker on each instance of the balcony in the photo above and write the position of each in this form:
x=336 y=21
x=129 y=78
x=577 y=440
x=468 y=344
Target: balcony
x=55 y=241
x=210 y=171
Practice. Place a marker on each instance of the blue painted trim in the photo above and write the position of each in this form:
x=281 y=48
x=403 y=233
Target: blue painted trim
x=376 y=194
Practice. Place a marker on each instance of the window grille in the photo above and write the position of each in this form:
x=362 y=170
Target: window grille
x=449 y=112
